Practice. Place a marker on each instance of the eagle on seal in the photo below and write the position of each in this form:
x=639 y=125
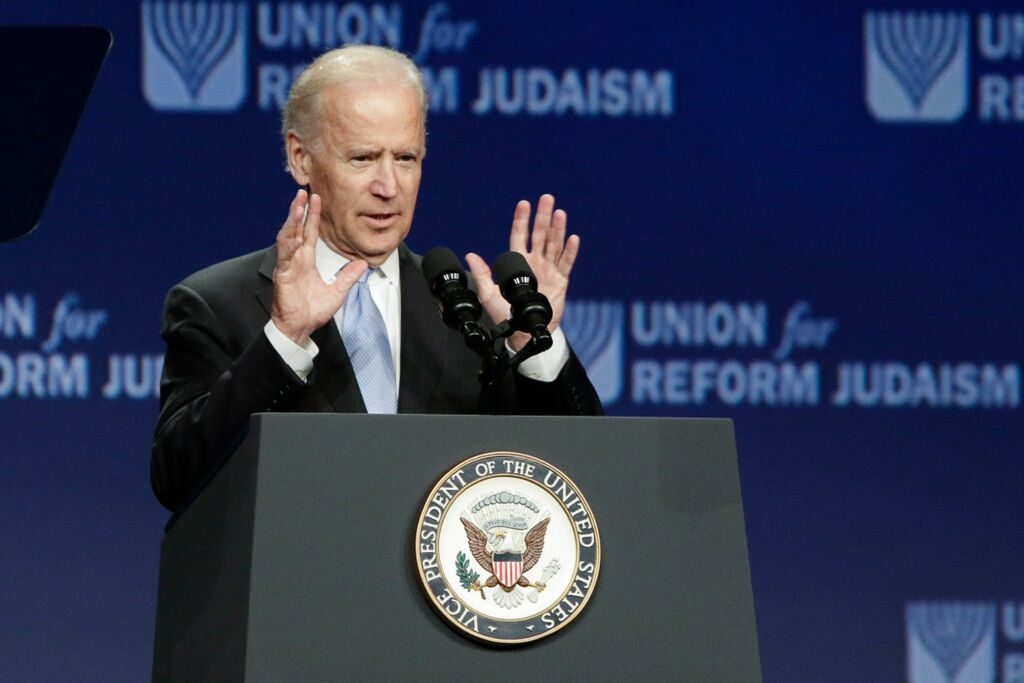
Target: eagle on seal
x=507 y=555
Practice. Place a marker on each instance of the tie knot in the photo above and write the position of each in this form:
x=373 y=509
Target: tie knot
x=364 y=278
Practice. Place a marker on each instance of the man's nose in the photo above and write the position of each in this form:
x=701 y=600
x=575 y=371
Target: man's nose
x=385 y=184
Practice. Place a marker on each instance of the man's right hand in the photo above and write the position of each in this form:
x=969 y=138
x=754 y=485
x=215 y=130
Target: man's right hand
x=302 y=300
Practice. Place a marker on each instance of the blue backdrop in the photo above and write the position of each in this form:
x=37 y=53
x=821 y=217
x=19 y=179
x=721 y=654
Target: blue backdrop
x=803 y=216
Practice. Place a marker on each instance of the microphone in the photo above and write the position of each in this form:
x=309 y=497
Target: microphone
x=531 y=310
x=460 y=306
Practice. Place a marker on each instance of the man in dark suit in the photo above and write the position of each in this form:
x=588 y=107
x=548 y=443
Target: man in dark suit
x=263 y=332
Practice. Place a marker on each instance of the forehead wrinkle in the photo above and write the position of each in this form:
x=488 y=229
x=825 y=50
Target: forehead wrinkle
x=350 y=119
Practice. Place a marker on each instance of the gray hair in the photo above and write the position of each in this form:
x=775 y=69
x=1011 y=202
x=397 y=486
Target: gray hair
x=363 y=65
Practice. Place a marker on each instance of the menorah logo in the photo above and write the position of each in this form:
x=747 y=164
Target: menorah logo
x=194 y=55
x=595 y=329
x=951 y=642
x=916 y=66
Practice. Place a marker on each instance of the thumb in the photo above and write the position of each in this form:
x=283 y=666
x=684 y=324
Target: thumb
x=490 y=298
x=480 y=271
x=348 y=276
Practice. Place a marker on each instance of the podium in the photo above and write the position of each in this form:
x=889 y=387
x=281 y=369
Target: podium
x=295 y=562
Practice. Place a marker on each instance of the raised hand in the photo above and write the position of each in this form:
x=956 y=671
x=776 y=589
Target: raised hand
x=302 y=300
x=549 y=253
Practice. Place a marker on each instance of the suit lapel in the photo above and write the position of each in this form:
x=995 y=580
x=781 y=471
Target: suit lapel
x=265 y=294
x=425 y=339
x=333 y=373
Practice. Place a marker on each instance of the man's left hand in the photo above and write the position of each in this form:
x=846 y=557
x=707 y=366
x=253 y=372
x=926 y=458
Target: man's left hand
x=549 y=253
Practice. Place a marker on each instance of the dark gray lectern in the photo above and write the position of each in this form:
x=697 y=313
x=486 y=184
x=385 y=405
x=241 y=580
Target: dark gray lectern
x=296 y=561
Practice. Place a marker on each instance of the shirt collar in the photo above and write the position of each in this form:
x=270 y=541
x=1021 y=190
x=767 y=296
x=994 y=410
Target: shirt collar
x=329 y=262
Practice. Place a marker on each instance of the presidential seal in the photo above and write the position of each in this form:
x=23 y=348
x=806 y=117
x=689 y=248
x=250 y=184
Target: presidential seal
x=507 y=548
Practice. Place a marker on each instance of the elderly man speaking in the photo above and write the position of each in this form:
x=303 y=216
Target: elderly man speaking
x=336 y=316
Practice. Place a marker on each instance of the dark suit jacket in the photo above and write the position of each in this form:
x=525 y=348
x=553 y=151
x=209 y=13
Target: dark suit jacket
x=220 y=368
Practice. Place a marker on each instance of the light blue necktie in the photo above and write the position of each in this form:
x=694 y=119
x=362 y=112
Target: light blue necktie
x=366 y=340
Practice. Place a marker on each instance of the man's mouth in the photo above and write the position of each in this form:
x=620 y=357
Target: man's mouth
x=381 y=219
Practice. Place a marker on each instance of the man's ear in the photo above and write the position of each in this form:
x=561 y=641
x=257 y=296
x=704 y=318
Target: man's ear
x=299 y=157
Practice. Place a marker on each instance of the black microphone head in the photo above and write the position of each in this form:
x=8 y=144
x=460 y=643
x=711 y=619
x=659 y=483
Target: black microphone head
x=509 y=270
x=460 y=307
x=531 y=310
x=441 y=261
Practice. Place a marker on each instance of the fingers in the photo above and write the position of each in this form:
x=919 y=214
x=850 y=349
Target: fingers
x=556 y=236
x=293 y=222
x=289 y=238
x=302 y=227
x=520 y=227
x=547 y=244
x=542 y=225
x=549 y=227
x=569 y=254
x=312 y=224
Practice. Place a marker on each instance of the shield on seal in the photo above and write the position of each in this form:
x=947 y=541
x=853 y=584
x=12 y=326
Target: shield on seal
x=508 y=567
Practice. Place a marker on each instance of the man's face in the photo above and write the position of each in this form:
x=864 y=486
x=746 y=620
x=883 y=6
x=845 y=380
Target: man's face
x=366 y=168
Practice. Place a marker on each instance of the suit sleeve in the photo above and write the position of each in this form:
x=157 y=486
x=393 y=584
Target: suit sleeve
x=212 y=382
x=570 y=394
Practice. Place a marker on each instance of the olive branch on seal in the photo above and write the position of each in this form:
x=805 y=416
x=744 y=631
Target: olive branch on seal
x=468 y=578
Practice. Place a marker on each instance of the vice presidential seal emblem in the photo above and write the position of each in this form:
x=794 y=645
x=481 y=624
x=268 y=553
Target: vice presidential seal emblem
x=507 y=548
